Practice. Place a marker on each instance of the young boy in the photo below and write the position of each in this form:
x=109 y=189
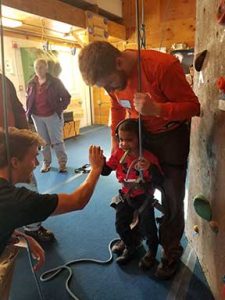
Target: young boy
x=138 y=176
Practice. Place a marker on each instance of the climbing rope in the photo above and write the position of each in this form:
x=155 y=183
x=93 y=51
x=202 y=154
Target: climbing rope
x=51 y=273
x=140 y=42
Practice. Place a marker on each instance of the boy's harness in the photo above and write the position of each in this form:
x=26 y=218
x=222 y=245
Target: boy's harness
x=135 y=184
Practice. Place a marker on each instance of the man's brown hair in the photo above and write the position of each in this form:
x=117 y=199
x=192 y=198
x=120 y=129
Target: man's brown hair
x=97 y=60
x=20 y=140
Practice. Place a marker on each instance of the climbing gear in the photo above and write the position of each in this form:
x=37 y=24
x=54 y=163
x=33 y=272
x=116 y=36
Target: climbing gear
x=84 y=169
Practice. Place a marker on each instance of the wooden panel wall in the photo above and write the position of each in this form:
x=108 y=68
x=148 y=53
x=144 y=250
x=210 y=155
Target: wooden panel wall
x=101 y=106
x=166 y=21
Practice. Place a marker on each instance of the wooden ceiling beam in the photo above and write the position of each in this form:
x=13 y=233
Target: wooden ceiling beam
x=62 y=12
x=51 y=9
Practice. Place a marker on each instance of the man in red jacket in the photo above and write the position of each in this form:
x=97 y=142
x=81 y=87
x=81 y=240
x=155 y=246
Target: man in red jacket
x=166 y=104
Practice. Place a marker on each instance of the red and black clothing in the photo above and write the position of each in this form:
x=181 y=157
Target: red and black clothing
x=163 y=78
x=135 y=196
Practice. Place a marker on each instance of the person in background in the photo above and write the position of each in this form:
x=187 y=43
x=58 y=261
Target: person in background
x=17 y=118
x=46 y=99
x=190 y=76
x=20 y=206
x=166 y=104
x=15 y=112
x=138 y=177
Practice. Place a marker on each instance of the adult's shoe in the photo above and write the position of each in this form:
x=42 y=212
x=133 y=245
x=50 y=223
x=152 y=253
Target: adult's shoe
x=45 y=168
x=148 y=261
x=41 y=235
x=62 y=169
x=167 y=269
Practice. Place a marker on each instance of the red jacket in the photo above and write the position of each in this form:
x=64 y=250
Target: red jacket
x=163 y=77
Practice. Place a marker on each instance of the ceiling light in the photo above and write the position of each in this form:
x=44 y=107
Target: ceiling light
x=6 y=22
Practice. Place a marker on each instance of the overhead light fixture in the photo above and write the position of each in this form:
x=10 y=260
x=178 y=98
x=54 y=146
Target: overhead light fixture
x=6 y=22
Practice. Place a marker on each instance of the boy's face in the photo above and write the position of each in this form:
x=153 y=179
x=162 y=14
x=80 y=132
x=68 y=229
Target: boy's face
x=22 y=169
x=115 y=81
x=128 y=141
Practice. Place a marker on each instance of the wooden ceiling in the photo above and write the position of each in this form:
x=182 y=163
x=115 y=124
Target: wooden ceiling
x=53 y=20
x=40 y=27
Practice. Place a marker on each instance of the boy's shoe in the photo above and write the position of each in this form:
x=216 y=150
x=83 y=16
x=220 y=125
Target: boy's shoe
x=126 y=256
x=45 y=168
x=118 y=247
x=166 y=269
x=148 y=261
x=41 y=235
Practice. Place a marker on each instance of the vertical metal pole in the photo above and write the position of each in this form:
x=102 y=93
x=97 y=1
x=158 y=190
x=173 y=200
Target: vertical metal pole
x=4 y=97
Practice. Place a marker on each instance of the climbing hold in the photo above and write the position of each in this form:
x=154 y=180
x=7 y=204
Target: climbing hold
x=199 y=60
x=196 y=229
x=214 y=226
x=202 y=207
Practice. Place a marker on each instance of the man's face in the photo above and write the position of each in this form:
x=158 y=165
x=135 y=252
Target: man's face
x=23 y=168
x=116 y=81
x=40 y=69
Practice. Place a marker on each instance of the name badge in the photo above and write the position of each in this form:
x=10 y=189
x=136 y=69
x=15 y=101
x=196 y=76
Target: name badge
x=125 y=103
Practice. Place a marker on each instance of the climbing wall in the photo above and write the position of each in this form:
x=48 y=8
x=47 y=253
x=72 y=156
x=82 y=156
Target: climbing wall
x=207 y=157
